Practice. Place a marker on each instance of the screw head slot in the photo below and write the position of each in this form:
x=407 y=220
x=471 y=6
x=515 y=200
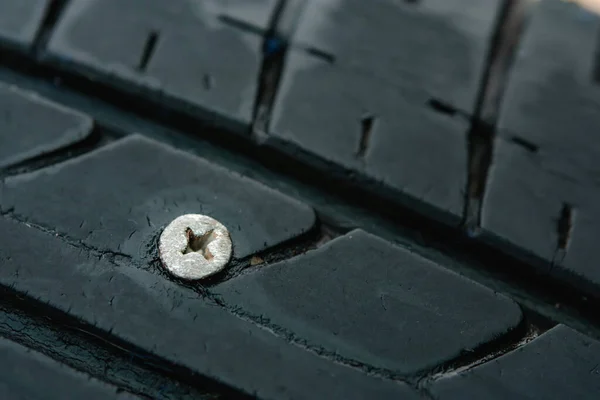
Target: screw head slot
x=194 y=246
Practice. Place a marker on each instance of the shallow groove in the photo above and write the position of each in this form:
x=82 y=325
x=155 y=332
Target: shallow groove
x=564 y=227
x=148 y=50
x=366 y=124
x=442 y=107
x=83 y=347
x=241 y=25
x=526 y=144
x=320 y=54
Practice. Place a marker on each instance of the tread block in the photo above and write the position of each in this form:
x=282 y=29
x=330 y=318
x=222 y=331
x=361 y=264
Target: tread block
x=333 y=297
x=175 y=323
x=560 y=364
x=149 y=38
x=119 y=197
x=434 y=47
x=409 y=148
x=388 y=71
x=28 y=375
x=31 y=126
x=547 y=151
x=20 y=21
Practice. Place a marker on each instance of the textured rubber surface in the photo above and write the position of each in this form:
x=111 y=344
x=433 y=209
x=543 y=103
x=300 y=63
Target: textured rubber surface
x=20 y=21
x=32 y=126
x=345 y=148
x=28 y=375
x=332 y=298
x=170 y=184
x=173 y=322
x=552 y=105
x=226 y=62
x=559 y=364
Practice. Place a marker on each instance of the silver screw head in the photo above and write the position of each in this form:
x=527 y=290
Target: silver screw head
x=194 y=246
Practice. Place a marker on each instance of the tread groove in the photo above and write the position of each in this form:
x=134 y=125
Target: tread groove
x=276 y=44
x=69 y=341
x=564 y=228
x=526 y=144
x=531 y=327
x=98 y=138
x=480 y=141
x=367 y=124
x=148 y=51
x=51 y=16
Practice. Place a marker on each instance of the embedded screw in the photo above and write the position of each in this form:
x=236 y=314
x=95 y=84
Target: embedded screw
x=195 y=246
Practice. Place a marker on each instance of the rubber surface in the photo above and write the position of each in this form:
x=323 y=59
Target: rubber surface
x=345 y=148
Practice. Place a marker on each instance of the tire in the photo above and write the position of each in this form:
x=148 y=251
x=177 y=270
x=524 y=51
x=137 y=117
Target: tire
x=408 y=188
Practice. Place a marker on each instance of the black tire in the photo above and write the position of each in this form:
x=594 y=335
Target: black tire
x=410 y=189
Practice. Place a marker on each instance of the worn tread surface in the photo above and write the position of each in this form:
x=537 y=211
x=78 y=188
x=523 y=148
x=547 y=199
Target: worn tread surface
x=20 y=21
x=341 y=144
x=425 y=316
x=25 y=137
x=172 y=184
x=552 y=104
x=173 y=322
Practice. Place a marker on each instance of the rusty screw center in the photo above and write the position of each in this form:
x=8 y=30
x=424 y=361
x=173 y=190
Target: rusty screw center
x=199 y=243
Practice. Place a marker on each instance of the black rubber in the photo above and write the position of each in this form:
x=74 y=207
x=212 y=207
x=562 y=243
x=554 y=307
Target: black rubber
x=411 y=189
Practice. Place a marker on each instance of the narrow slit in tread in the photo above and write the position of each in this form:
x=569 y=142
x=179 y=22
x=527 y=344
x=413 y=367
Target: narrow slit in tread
x=239 y=24
x=207 y=81
x=321 y=54
x=526 y=144
x=480 y=149
x=148 y=51
x=441 y=107
x=564 y=228
x=367 y=123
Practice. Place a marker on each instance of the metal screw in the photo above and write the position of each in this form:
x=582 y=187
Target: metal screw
x=195 y=246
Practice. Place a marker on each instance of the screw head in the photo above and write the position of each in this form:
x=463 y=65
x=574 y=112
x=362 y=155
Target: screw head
x=194 y=246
